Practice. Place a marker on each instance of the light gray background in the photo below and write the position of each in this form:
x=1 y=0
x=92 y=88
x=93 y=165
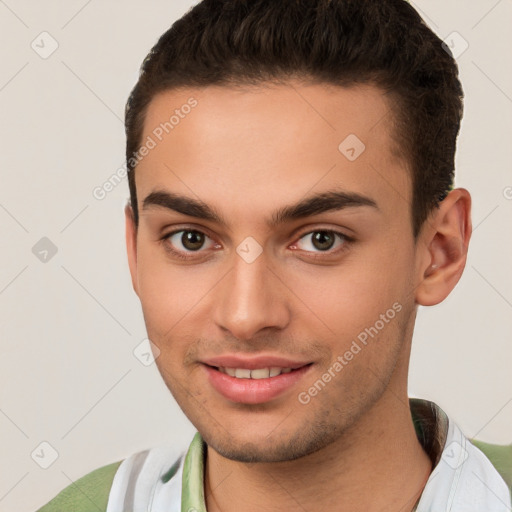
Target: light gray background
x=68 y=375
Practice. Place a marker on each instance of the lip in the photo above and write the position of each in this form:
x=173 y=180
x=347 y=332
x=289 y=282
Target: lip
x=253 y=363
x=253 y=391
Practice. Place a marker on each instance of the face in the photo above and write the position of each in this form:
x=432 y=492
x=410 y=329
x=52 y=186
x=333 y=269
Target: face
x=274 y=261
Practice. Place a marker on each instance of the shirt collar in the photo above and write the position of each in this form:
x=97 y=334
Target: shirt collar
x=431 y=424
x=192 y=486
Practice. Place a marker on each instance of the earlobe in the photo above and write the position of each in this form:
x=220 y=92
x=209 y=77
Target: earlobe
x=131 y=245
x=445 y=241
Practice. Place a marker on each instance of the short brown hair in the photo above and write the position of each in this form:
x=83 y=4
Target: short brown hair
x=339 y=42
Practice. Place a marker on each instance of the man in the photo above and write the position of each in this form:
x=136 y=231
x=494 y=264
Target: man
x=292 y=203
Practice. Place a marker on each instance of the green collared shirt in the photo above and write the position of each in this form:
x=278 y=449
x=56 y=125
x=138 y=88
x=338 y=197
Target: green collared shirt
x=157 y=480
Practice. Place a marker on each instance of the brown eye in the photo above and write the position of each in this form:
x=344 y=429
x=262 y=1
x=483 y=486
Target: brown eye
x=322 y=240
x=188 y=241
x=192 y=240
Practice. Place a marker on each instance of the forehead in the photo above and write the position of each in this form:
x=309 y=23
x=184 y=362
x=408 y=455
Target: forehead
x=262 y=143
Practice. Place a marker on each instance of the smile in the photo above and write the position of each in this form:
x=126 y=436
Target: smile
x=258 y=373
x=255 y=385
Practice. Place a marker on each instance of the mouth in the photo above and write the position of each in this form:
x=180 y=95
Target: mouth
x=258 y=373
x=258 y=384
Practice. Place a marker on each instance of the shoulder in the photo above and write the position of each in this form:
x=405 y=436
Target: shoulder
x=88 y=494
x=139 y=476
x=500 y=457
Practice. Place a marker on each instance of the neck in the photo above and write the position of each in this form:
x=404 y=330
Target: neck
x=377 y=465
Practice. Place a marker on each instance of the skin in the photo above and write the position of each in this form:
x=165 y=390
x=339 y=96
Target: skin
x=247 y=152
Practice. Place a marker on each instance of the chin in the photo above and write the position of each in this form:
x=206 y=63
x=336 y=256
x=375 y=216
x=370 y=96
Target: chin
x=277 y=447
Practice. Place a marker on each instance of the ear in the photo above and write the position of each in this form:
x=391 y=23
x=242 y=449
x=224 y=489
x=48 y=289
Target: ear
x=443 y=246
x=131 y=245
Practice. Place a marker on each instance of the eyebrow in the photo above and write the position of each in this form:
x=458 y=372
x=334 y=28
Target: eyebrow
x=328 y=201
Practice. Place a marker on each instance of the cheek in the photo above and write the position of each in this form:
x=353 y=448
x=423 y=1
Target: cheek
x=173 y=296
x=344 y=300
x=165 y=292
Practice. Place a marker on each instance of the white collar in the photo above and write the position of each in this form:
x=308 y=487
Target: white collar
x=464 y=480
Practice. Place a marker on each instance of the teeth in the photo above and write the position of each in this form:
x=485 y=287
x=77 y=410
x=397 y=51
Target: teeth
x=274 y=372
x=263 y=373
x=229 y=371
x=259 y=373
x=242 y=373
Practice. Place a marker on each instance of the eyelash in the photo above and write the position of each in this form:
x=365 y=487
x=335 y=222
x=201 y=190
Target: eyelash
x=313 y=255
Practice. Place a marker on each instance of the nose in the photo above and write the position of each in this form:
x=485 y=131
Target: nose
x=250 y=299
